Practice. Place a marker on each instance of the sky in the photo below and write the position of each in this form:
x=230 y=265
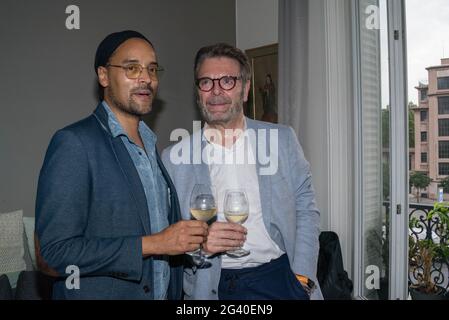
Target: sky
x=427 y=39
x=427 y=42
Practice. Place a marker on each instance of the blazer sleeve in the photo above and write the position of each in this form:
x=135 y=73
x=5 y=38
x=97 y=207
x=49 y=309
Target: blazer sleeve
x=308 y=216
x=62 y=209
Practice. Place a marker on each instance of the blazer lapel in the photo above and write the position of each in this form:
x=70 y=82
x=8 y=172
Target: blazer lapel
x=128 y=169
x=264 y=180
x=201 y=170
x=175 y=213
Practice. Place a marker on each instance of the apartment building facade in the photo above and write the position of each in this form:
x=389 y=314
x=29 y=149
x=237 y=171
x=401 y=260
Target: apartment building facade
x=431 y=121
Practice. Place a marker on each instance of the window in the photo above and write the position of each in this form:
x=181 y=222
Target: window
x=424 y=157
x=424 y=136
x=423 y=115
x=423 y=94
x=443 y=105
x=443 y=169
x=424 y=195
x=443 y=149
x=443 y=127
x=443 y=83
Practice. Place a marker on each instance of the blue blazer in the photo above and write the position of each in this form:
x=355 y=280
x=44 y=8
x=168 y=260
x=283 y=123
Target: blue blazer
x=91 y=212
x=289 y=210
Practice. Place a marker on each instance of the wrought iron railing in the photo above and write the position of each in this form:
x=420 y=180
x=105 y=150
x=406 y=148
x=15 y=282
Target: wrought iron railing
x=422 y=229
x=427 y=229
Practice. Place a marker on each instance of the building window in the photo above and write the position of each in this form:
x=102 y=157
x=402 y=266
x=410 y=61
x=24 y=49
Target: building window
x=424 y=157
x=423 y=94
x=443 y=149
x=423 y=115
x=443 y=127
x=443 y=83
x=443 y=169
x=443 y=105
x=424 y=136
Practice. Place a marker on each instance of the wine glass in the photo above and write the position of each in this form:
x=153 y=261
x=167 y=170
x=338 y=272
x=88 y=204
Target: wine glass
x=236 y=210
x=202 y=207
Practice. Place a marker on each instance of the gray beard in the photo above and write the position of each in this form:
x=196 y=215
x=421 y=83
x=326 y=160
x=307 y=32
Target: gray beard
x=233 y=112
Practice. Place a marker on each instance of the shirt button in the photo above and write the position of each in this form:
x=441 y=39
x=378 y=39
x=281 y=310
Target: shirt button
x=140 y=153
x=146 y=289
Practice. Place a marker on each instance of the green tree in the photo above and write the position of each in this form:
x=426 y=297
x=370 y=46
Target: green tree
x=386 y=180
x=385 y=118
x=385 y=127
x=411 y=124
x=419 y=180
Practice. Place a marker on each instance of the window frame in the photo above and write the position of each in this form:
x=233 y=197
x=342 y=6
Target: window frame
x=441 y=149
x=443 y=130
x=446 y=107
x=439 y=86
x=439 y=168
x=425 y=156
x=426 y=135
x=421 y=115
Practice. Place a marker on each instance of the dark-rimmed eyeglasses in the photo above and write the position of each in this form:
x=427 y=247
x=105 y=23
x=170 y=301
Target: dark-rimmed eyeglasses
x=134 y=70
x=226 y=83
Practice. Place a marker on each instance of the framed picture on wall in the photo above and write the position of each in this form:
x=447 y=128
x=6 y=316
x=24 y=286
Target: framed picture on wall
x=262 y=100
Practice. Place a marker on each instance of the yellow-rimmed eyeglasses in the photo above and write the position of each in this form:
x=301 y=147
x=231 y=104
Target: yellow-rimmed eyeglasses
x=134 y=70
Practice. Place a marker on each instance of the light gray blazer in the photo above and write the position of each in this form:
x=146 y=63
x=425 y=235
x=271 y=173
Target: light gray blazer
x=287 y=197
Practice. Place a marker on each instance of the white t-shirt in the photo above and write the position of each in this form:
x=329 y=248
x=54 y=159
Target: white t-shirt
x=237 y=172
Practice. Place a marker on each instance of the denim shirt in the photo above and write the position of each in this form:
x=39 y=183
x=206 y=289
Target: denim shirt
x=155 y=187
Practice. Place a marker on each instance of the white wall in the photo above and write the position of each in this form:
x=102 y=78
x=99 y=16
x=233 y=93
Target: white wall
x=256 y=23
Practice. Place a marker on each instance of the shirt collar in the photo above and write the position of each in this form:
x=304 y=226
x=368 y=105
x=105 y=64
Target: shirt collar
x=117 y=130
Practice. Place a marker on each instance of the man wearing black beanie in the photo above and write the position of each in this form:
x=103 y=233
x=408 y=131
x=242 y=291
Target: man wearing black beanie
x=105 y=205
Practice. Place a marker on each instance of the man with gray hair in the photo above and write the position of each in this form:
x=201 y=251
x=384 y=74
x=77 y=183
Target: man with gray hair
x=282 y=228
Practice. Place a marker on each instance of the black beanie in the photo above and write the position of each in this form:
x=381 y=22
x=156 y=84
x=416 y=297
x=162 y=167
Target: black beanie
x=111 y=43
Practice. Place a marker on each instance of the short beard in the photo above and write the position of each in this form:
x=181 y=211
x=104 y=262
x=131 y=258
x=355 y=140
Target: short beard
x=233 y=112
x=131 y=108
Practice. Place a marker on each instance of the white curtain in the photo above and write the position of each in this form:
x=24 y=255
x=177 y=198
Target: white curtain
x=315 y=98
x=294 y=108
x=293 y=62
x=302 y=98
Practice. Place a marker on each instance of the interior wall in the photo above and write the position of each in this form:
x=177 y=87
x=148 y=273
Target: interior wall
x=256 y=23
x=48 y=79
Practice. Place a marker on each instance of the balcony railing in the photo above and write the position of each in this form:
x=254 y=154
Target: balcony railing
x=430 y=230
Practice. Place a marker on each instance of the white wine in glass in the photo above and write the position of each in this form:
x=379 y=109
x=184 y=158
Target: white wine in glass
x=203 y=215
x=239 y=218
x=236 y=210
x=203 y=208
